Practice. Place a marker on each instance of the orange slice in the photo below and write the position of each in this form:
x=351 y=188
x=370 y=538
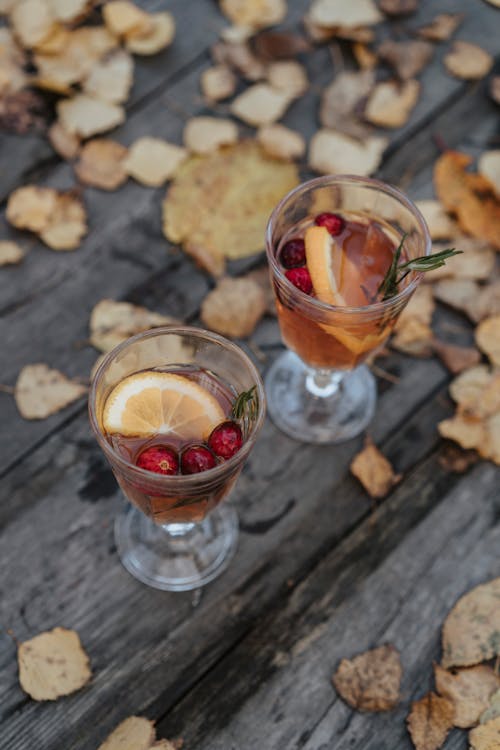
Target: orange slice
x=153 y=403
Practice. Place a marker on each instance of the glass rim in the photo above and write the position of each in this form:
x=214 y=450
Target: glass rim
x=208 y=476
x=394 y=192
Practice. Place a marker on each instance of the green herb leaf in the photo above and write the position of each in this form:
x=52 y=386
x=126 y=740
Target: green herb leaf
x=396 y=272
x=246 y=405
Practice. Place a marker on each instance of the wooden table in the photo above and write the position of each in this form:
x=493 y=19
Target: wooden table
x=319 y=573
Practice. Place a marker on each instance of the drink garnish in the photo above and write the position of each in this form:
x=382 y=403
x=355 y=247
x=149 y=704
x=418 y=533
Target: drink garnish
x=398 y=271
x=246 y=406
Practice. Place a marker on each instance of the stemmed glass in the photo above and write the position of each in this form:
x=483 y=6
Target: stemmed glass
x=176 y=535
x=319 y=391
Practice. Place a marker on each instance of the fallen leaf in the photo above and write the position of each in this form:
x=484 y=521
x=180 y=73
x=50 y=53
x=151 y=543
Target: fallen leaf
x=111 y=79
x=65 y=144
x=407 y=58
x=234 y=307
x=390 y=105
x=205 y=134
x=152 y=161
x=494 y=89
x=429 y=721
x=456 y=358
x=236 y=34
x=31 y=207
x=31 y=21
x=457 y=293
x=485 y=303
x=471 y=631
x=113 y=322
x=257 y=14
x=85 y=115
x=134 y=733
x=341 y=100
x=160 y=37
x=442 y=27
x=123 y=17
x=260 y=104
x=235 y=189
x=440 y=225
x=412 y=332
x=40 y=391
x=467 y=389
x=54 y=43
x=12 y=61
x=488 y=338
x=261 y=277
x=239 y=57
x=67 y=225
x=331 y=13
x=53 y=664
x=217 y=83
x=333 y=152
x=468 y=689
x=493 y=710
x=281 y=142
x=10 y=253
x=371 y=680
x=279 y=45
x=476 y=262
x=374 y=471
x=468 y=61
x=486 y=736
x=364 y=56
x=101 y=164
x=488 y=166
x=398 y=7
x=455 y=459
x=70 y=11
x=288 y=76
x=468 y=432
x=22 y=112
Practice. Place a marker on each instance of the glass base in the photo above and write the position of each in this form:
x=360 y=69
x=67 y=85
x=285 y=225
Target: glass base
x=179 y=557
x=338 y=411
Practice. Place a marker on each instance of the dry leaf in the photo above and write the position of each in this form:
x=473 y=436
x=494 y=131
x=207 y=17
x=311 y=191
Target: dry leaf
x=239 y=57
x=257 y=14
x=31 y=207
x=471 y=631
x=22 y=111
x=495 y=89
x=236 y=33
x=429 y=721
x=412 y=332
x=488 y=338
x=441 y=226
x=10 y=253
x=341 y=100
x=134 y=733
x=161 y=36
x=390 y=105
x=468 y=689
x=281 y=142
x=53 y=664
x=364 y=56
x=204 y=134
x=330 y=13
x=101 y=164
x=31 y=21
x=123 y=17
x=111 y=79
x=261 y=277
x=40 y=391
x=455 y=459
x=260 y=104
x=488 y=166
x=65 y=144
x=398 y=7
x=468 y=432
x=12 y=61
x=476 y=262
x=279 y=45
x=54 y=43
x=371 y=680
x=442 y=27
x=217 y=83
x=67 y=225
x=152 y=161
x=486 y=736
x=288 y=76
x=468 y=61
x=458 y=293
x=407 y=58
x=456 y=358
x=493 y=710
x=234 y=189
x=69 y=11
x=234 y=307
x=333 y=152
x=113 y=322
x=374 y=471
x=468 y=388
x=85 y=116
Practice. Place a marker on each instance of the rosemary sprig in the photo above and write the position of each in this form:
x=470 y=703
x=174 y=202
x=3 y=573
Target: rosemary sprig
x=398 y=271
x=246 y=406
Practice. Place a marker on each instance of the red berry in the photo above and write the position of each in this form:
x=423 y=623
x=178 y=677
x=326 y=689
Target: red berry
x=226 y=439
x=197 y=458
x=159 y=458
x=293 y=253
x=333 y=222
x=301 y=279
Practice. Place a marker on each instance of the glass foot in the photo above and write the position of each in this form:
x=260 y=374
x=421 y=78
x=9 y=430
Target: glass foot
x=326 y=414
x=186 y=559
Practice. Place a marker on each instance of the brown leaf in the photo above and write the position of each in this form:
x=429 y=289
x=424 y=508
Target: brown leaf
x=205 y=134
x=281 y=142
x=407 y=58
x=494 y=89
x=101 y=164
x=10 y=253
x=440 y=225
x=32 y=21
x=152 y=161
x=53 y=664
x=468 y=689
x=331 y=13
x=334 y=152
x=374 y=471
x=456 y=358
x=113 y=322
x=412 y=332
x=261 y=104
x=488 y=338
x=239 y=57
x=488 y=166
x=217 y=83
x=468 y=432
x=234 y=307
x=279 y=45
x=256 y=15
x=476 y=262
x=458 y=293
x=161 y=36
x=123 y=17
x=493 y=710
x=468 y=61
x=370 y=681
x=68 y=223
x=136 y=733
x=85 y=115
x=429 y=721
x=486 y=736
x=455 y=459
x=31 y=207
x=288 y=76
x=65 y=144
x=468 y=388
x=390 y=105
x=471 y=631
x=442 y=27
x=111 y=78
x=22 y=112
x=365 y=57
x=341 y=100
x=398 y=7
x=69 y=11
x=40 y=391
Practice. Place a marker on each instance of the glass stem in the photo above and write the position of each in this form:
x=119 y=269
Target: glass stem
x=178 y=529
x=324 y=383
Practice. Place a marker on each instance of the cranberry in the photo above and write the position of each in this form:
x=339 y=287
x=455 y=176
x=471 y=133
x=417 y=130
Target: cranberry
x=332 y=222
x=226 y=439
x=293 y=253
x=197 y=458
x=301 y=279
x=161 y=459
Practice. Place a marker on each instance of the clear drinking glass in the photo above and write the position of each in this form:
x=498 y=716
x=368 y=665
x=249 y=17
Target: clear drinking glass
x=176 y=535
x=319 y=391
